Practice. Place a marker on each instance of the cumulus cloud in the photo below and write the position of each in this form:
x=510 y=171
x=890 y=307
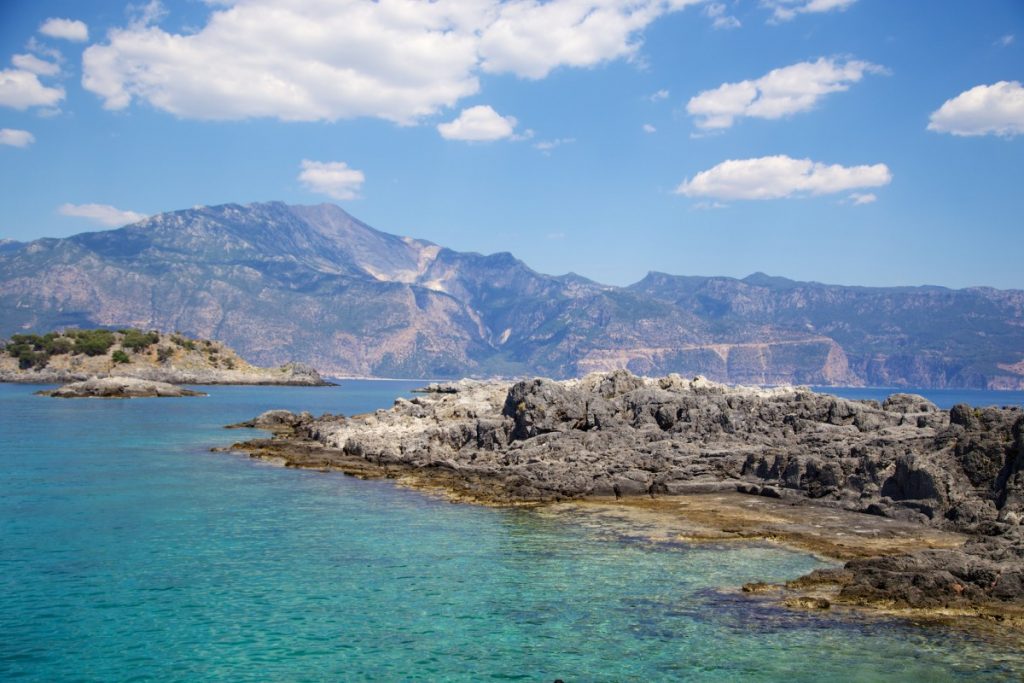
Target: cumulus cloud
x=784 y=10
x=780 y=92
x=33 y=64
x=648 y=128
x=659 y=96
x=478 y=124
x=778 y=177
x=530 y=38
x=16 y=138
x=332 y=178
x=22 y=89
x=68 y=29
x=101 y=214
x=719 y=19
x=996 y=109
x=399 y=60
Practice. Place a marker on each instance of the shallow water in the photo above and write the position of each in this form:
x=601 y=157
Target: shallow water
x=130 y=552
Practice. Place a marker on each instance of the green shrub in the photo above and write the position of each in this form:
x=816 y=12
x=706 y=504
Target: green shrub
x=137 y=340
x=59 y=345
x=164 y=353
x=93 y=342
x=28 y=358
x=120 y=356
x=31 y=350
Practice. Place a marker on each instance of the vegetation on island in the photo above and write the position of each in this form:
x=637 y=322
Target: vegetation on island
x=123 y=346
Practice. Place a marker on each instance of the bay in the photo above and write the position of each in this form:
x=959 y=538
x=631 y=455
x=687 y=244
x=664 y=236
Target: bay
x=130 y=552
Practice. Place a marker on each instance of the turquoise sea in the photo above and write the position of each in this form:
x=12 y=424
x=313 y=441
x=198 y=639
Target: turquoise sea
x=130 y=552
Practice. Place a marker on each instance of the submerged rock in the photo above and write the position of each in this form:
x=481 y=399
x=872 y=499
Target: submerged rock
x=119 y=387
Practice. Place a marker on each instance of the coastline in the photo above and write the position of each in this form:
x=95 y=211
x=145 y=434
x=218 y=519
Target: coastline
x=275 y=377
x=719 y=464
x=707 y=517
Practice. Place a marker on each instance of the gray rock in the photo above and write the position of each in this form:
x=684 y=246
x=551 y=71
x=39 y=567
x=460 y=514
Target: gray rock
x=119 y=387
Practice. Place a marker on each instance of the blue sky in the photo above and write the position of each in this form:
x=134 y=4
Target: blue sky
x=849 y=141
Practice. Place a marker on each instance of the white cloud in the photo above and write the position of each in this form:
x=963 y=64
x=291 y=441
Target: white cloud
x=400 y=60
x=784 y=10
x=478 y=124
x=332 y=178
x=31 y=63
x=648 y=128
x=719 y=19
x=145 y=15
x=777 y=177
x=68 y=29
x=659 y=96
x=778 y=93
x=101 y=214
x=397 y=60
x=996 y=109
x=40 y=49
x=1006 y=40
x=16 y=138
x=858 y=198
x=530 y=38
x=22 y=89
x=547 y=145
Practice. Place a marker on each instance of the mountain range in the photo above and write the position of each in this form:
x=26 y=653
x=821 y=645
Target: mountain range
x=313 y=284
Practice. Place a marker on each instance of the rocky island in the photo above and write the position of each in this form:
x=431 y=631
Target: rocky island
x=119 y=387
x=936 y=497
x=77 y=355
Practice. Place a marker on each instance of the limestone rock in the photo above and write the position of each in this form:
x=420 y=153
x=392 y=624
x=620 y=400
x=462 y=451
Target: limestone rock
x=119 y=387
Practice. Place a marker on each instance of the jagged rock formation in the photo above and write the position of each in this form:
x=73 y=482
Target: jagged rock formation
x=167 y=358
x=119 y=387
x=313 y=284
x=618 y=434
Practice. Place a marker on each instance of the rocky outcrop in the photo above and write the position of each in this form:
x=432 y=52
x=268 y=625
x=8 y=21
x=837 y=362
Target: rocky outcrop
x=119 y=387
x=616 y=434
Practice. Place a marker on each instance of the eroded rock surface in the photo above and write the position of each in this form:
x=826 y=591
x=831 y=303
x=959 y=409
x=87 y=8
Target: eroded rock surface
x=119 y=387
x=622 y=435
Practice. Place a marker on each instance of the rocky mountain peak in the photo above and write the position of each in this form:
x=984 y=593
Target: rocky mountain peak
x=316 y=284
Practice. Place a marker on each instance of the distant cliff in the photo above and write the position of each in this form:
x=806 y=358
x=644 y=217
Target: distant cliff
x=75 y=355
x=313 y=284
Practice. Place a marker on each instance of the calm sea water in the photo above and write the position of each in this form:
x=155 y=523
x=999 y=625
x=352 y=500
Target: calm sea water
x=129 y=552
x=943 y=398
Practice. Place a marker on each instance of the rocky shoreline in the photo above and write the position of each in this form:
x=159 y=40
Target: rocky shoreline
x=293 y=374
x=618 y=436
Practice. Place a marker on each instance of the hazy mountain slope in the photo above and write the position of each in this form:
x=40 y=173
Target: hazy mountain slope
x=313 y=284
x=916 y=336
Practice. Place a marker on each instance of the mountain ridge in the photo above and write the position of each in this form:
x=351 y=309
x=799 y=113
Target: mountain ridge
x=315 y=284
